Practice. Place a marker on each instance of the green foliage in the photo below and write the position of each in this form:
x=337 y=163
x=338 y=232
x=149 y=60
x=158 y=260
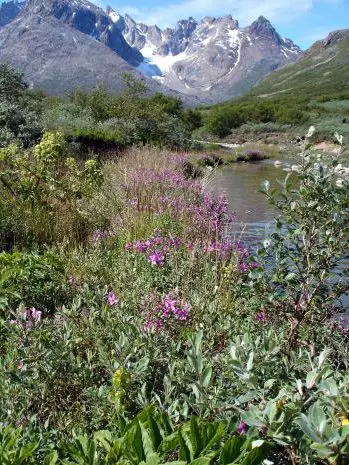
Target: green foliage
x=221 y=120
x=130 y=118
x=310 y=237
x=254 y=372
x=149 y=439
x=31 y=280
x=19 y=109
x=45 y=182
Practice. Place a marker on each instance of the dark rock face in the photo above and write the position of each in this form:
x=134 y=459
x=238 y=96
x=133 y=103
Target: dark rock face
x=55 y=57
x=89 y=19
x=9 y=11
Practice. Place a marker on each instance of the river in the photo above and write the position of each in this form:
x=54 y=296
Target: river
x=254 y=216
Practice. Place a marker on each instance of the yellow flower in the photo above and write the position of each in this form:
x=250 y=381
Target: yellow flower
x=121 y=379
x=345 y=421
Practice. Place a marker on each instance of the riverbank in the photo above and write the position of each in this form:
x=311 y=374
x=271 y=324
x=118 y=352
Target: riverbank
x=132 y=318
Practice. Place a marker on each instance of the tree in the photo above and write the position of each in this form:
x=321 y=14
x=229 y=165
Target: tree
x=11 y=84
x=19 y=109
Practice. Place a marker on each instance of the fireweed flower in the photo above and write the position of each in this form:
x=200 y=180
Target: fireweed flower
x=241 y=429
x=35 y=314
x=164 y=311
x=156 y=258
x=260 y=316
x=26 y=317
x=113 y=299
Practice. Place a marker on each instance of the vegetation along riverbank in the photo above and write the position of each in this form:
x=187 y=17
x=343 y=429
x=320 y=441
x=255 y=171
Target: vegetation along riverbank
x=133 y=329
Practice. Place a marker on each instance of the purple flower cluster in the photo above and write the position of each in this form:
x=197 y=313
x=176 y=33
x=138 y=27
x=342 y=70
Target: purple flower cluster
x=156 y=247
x=241 y=429
x=164 y=311
x=260 y=316
x=26 y=317
x=171 y=192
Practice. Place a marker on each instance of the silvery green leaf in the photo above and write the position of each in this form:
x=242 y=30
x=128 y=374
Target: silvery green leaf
x=257 y=443
x=310 y=132
x=323 y=356
x=308 y=429
x=311 y=379
x=266 y=186
x=300 y=387
x=250 y=361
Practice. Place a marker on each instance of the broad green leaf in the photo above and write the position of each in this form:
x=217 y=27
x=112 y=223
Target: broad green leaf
x=231 y=450
x=256 y=456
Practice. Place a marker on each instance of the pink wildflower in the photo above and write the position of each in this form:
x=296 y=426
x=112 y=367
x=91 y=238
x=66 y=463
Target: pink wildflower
x=113 y=299
x=241 y=429
x=156 y=258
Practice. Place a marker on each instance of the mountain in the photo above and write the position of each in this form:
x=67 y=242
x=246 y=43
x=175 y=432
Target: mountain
x=9 y=11
x=213 y=58
x=322 y=70
x=87 y=18
x=77 y=41
x=56 y=57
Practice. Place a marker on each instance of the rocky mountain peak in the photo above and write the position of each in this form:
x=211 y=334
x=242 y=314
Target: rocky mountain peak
x=89 y=19
x=262 y=28
x=335 y=36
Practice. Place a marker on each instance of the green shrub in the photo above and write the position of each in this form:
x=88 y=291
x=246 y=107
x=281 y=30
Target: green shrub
x=31 y=280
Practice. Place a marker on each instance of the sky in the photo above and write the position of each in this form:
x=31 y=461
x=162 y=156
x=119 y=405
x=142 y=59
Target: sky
x=303 y=21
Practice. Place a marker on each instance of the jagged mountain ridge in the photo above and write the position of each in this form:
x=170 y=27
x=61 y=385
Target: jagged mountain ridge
x=88 y=19
x=213 y=56
x=213 y=59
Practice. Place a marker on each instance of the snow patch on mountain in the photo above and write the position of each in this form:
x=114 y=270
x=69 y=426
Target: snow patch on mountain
x=156 y=65
x=114 y=16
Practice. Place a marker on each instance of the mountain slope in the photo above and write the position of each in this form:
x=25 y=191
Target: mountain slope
x=56 y=57
x=213 y=58
x=322 y=70
x=89 y=19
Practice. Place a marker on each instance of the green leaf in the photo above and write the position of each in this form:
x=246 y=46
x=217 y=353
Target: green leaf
x=206 y=376
x=202 y=461
x=307 y=428
x=256 y=456
x=148 y=446
x=51 y=459
x=231 y=450
x=184 y=452
x=168 y=444
x=195 y=436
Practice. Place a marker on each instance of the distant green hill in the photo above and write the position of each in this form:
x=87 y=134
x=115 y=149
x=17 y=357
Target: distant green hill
x=323 y=70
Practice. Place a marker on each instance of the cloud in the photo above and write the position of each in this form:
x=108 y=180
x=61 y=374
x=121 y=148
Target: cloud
x=245 y=11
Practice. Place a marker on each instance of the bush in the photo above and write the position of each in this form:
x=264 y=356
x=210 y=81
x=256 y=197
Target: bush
x=19 y=110
x=31 y=280
x=45 y=183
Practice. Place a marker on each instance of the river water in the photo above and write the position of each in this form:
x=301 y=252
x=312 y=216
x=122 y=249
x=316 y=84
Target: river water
x=240 y=182
x=254 y=216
